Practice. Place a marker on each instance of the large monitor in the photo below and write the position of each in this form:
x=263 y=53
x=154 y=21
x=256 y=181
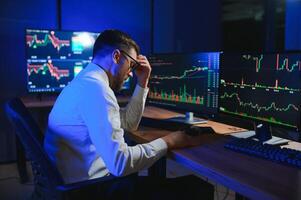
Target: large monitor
x=264 y=88
x=54 y=57
x=185 y=82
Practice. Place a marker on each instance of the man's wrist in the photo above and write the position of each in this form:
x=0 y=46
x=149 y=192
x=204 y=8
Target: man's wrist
x=168 y=142
x=143 y=83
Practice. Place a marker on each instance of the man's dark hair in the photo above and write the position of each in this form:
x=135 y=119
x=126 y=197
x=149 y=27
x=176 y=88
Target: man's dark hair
x=114 y=39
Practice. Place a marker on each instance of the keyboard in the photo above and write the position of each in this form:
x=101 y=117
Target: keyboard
x=251 y=147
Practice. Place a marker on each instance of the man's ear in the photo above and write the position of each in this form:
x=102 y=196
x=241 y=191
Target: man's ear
x=116 y=54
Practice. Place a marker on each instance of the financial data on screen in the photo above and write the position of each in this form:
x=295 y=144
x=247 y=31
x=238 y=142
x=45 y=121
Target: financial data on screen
x=187 y=82
x=263 y=87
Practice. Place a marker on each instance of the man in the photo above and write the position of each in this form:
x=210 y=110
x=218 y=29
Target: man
x=85 y=135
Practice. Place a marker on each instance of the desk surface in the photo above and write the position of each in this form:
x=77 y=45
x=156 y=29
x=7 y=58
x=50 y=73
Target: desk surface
x=159 y=113
x=252 y=177
x=35 y=102
x=48 y=101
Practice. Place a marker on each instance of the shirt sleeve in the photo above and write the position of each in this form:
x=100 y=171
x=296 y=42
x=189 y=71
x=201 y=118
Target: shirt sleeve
x=100 y=113
x=130 y=116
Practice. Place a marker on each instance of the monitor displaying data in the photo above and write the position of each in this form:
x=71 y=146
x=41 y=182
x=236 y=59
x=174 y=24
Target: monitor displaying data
x=262 y=87
x=54 y=58
x=185 y=82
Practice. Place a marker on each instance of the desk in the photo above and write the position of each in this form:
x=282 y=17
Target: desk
x=34 y=102
x=251 y=177
x=48 y=101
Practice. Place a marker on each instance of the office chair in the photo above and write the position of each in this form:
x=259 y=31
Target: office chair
x=48 y=182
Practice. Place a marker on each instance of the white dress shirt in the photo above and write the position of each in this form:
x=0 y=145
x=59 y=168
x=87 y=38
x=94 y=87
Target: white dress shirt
x=84 y=137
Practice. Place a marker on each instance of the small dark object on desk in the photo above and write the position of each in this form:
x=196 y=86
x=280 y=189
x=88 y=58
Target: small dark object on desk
x=198 y=130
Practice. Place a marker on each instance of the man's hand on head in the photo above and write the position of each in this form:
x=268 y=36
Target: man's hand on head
x=143 y=71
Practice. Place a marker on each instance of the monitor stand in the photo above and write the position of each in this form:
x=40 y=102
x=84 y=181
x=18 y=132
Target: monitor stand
x=187 y=119
x=264 y=135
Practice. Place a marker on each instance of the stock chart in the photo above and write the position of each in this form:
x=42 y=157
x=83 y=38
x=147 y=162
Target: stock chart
x=263 y=87
x=185 y=81
x=54 y=58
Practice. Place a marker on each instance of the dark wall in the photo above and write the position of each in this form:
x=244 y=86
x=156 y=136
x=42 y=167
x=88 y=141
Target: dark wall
x=163 y=26
x=293 y=25
x=197 y=25
x=14 y=17
x=132 y=16
x=187 y=26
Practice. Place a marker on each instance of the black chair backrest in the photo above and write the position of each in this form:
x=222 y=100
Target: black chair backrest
x=46 y=175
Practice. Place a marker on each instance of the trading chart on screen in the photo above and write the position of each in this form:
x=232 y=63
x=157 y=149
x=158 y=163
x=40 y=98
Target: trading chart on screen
x=54 y=58
x=263 y=87
x=185 y=81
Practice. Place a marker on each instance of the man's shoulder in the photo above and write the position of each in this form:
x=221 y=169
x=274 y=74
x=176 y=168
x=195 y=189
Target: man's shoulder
x=91 y=79
x=94 y=86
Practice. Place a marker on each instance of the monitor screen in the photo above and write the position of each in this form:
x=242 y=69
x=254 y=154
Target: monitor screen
x=54 y=58
x=261 y=87
x=185 y=82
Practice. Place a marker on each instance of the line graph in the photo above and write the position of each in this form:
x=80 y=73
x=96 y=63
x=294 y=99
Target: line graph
x=284 y=65
x=270 y=119
x=275 y=86
x=259 y=108
x=33 y=41
x=55 y=57
x=258 y=61
x=53 y=70
x=268 y=71
x=188 y=74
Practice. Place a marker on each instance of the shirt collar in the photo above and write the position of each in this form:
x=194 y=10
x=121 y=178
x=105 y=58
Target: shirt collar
x=101 y=74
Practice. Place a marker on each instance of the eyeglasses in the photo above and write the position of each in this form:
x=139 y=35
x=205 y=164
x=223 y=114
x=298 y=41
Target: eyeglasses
x=136 y=63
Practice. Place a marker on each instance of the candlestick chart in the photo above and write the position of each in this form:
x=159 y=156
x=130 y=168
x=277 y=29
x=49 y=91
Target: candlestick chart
x=187 y=82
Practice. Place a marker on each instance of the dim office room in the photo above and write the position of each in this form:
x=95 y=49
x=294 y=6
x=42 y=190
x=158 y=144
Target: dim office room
x=150 y=99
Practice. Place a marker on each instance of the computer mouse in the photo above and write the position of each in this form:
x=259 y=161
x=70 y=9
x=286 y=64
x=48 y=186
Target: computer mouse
x=198 y=130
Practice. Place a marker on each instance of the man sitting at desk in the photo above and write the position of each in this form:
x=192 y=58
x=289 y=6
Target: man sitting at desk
x=85 y=135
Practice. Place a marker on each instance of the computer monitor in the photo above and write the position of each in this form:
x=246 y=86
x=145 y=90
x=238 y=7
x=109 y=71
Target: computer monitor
x=55 y=57
x=264 y=88
x=185 y=82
